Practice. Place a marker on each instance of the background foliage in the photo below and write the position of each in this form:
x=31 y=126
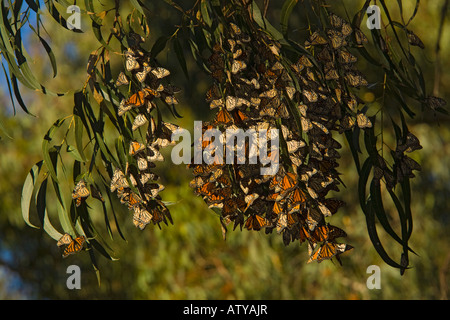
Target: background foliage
x=190 y=260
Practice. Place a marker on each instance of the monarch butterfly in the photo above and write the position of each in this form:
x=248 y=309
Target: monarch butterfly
x=121 y=79
x=333 y=205
x=118 y=180
x=355 y=79
x=237 y=65
x=310 y=95
x=213 y=93
x=206 y=189
x=331 y=74
x=123 y=107
x=414 y=40
x=147 y=176
x=64 y=240
x=223 y=117
x=142 y=163
x=347 y=123
x=297 y=196
x=231 y=44
x=139 y=121
x=412 y=143
x=240 y=117
x=153 y=92
x=313 y=218
x=363 y=121
x=219 y=195
x=171 y=100
x=235 y=102
x=339 y=23
x=152 y=190
x=329 y=250
x=237 y=53
x=216 y=103
x=336 y=21
x=435 y=102
x=143 y=74
x=73 y=245
x=269 y=94
x=80 y=192
x=315 y=40
x=155 y=155
x=327 y=232
x=130 y=62
x=132 y=200
x=137 y=99
x=250 y=199
x=136 y=147
x=275 y=111
x=337 y=39
x=360 y=38
x=141 y=217
x=288 y=182
x=256 y=222
x=160 y=72
x=236 y=30
x=346 y=57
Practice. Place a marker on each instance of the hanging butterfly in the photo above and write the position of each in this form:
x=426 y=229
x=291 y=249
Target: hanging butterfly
x=118 y=180
x=143 y=74
x=346 y=57
x=355 y=79
x=236 y=30
x=411 y=144
x=414 y=40
x=160 y=72
x=363 y=121
x=329 y=250
x=121 y=79
x=137 y=99
x=154 y=155
x=80 y=192
x=152 y=190
x=256 y=222
x=237 y=65
x=316 y=39
x=152 y=92
x=136 y=147
x=337 y=39
x=73 y=245
x=123 y=107
x=130 y=62
x=360 y=38
x=141 y=217
x=171 y=100
x=139 y=121
x=327 y=232
x=223 y=117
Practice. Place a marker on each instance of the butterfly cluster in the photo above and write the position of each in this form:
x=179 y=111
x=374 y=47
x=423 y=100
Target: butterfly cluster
x=254 y=88
x=137 y=185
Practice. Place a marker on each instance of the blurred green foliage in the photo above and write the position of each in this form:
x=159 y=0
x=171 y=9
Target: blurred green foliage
x=190 y=260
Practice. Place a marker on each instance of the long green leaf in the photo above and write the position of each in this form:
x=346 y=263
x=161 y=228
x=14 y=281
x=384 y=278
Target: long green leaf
x=180 y=56
x=41 y=206
x=27 y=192
x=286 y=11
x=51 y=167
